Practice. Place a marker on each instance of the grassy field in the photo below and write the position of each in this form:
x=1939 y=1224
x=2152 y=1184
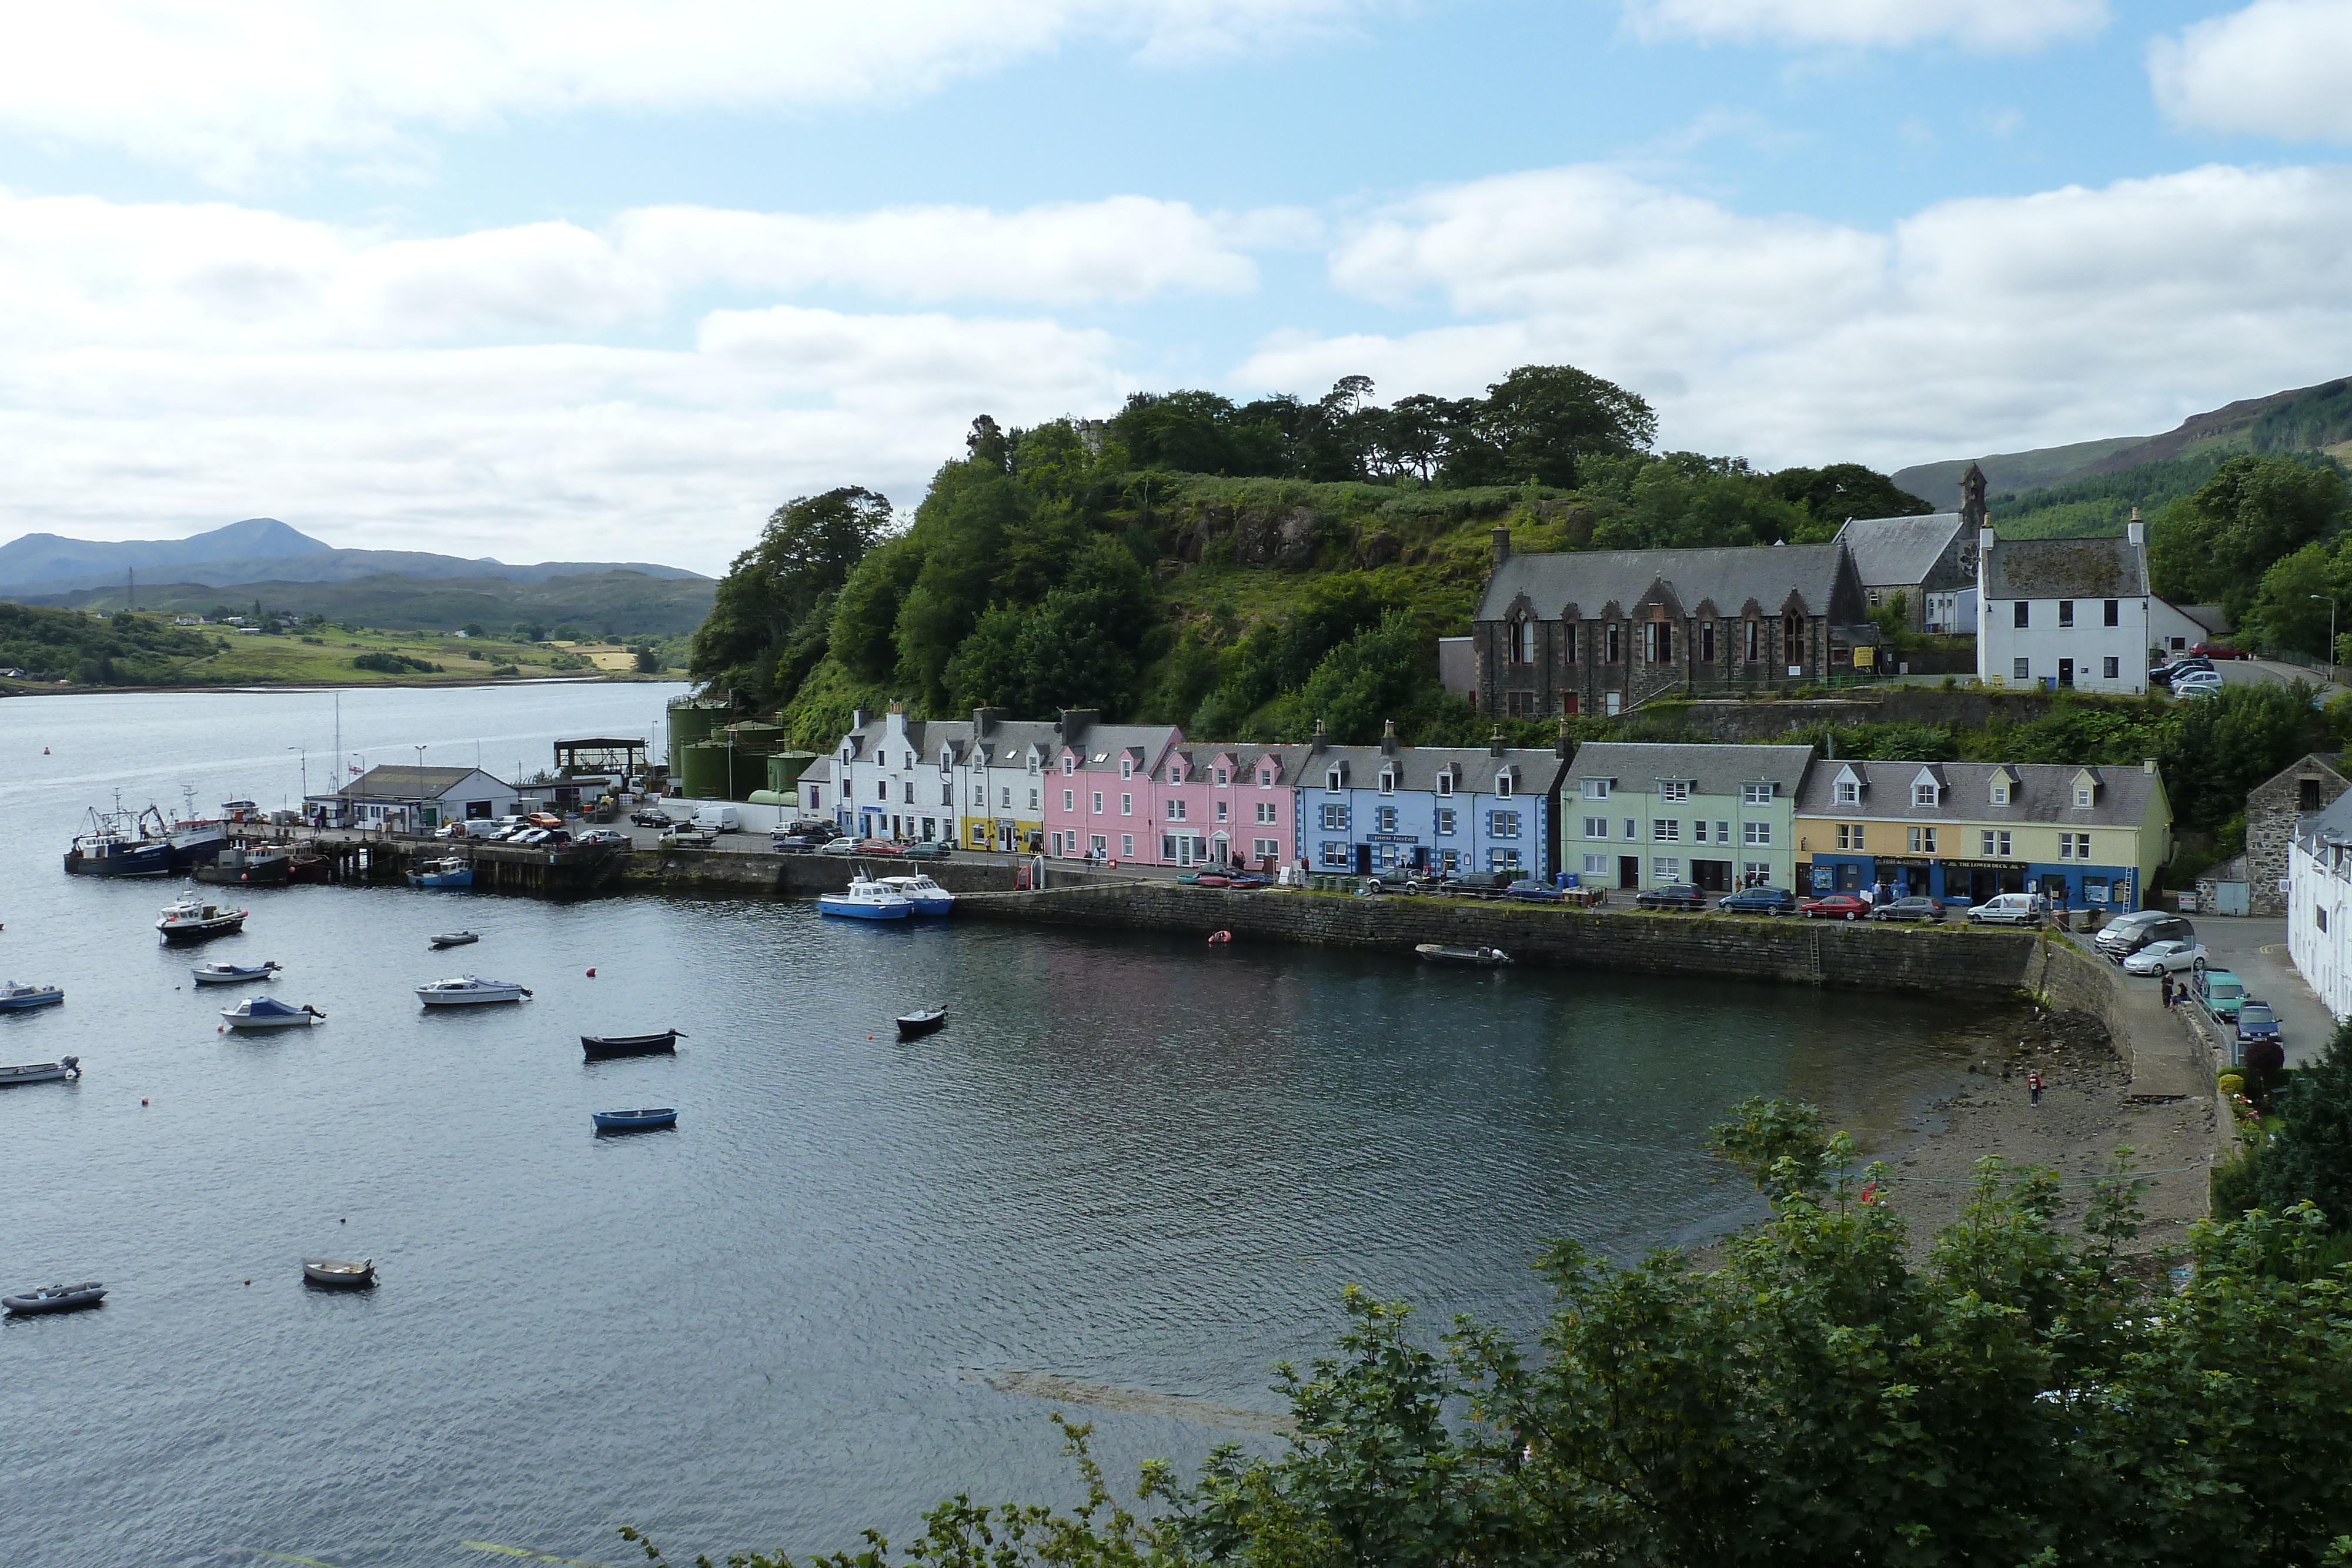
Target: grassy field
x=323 y=656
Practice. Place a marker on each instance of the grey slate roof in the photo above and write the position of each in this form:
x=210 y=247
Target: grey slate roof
x=2331 y=826
x=2043 y=792
x=2064 y=568
x=1727 y=577
x=1708 y=769
x=2212 y=617
x=395 y=782
x=1105 y=741
x=1417 y=767
x=1896 y=552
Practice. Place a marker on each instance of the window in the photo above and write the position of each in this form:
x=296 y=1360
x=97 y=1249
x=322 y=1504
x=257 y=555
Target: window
x=1666 y=829
x=1503 y=785
x=1849 y=835
x=1657 y=642
x=814 y=801
x=1265 y=812
x=2110 y=668
x=1100 y=846
x=1443 y=822
x=1632 y=829
x=2319 y=916
x=1755 y=642
x=1032 y=800
x=1522 y=704
x=1567 y=641
x=1127 y=805
x=1331 y=780
x=1388 y=781
x=1707 y=642
x=1097 y=808
x=1614 y=654
x=1384 y=819
x=1523 y=641
x=1335 y=819
x=1757 y=834
x=1220 y=777
x=1266 y=848
x=2075 y=846
x=1445 y=782
x=1923 y=793
x=1127 y=768
x=1127 y=846
x=2001 y=792
x=1503 y=824
x=1996 y=845
x=947 y=794
x=2065 y=612
x=1846 y=792
x=1266 y=778
x=1756 y=794
x=881 y=789
x=2114 y=612
x=1175 y=810
x=1069 y=801
x=1069 y=766
x=2017 y=615
x=1385 y=854
x=1665 y=868
x=1338 y=855
x=1503 y=860
x=1596 y=866
x=1674 y=790
x=1923 y=840
x=2081 y=797
x=2020 y=669
x=908 y=790
x=1596 y=789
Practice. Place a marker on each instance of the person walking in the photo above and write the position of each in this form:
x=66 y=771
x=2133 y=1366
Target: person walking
x=2167 y=988
x=2034 y=1086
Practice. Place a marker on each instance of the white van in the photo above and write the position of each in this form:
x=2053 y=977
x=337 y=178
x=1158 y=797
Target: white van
x=2010 y=909
x=718 y=818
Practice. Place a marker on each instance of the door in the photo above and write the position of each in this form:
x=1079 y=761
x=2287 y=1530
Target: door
x=1364 y=860
x=2065 y=672
x=1629 y=872
x=2229 y=897
x=1714 y=876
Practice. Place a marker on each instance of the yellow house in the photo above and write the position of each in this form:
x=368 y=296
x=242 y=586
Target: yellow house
x=999 y=769
x=2094 y=837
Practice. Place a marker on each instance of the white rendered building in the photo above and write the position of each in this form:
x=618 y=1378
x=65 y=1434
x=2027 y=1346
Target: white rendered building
x=2067 y=613
x=2319 y=904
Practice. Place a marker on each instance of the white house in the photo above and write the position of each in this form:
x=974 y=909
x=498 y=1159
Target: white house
x=2319 y=904
x=893 y=778
x=411 y=799
x=2177 y=628
x=2069 y=612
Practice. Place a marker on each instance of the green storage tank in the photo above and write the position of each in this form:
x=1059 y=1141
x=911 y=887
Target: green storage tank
x=785 y=768
x=692 y=720
x=703 y=773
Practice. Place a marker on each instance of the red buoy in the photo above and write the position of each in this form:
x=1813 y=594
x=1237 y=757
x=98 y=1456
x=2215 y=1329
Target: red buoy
x=591 y=973
x=1217 y=936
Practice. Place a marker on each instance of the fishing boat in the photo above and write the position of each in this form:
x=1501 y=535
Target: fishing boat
x=16 y=997
x=307 y=868
x=867 y=900
x=195 y=840
x=194 y=920
x=914 y=1026
x=455 y=939
x=268 y=1012
x=234 y=973
x=58 y=1071
x=927 y=897
x=602 y=1047
x=1476 y=958
x=633 y=1121
x=55 y=1298
x=238 y=866
x=470 y=990
x=339 y=1274
x=447 y=871
x=121 y=844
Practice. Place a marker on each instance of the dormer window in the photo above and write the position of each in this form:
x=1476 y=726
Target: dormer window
x=1596 y=789
x=1127 y=768
x=1220 y=777
x=2081 y=797
x=845 y=754
x=1503 y=784
x=1387 y=782
x=1924 y=792
x=1266 y=778
x=1756 y=794
x=2000 y=791
x=1674 y=790
x=1331 y=780
x=1445 y=781
x=1847 y=792
x=1069 y=766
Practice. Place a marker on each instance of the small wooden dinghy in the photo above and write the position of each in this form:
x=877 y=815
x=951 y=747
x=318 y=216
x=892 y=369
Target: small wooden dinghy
x=42 y=1072
x=234 y=973
x=455 y=939
x=338 y=1274
x=644 y=1121
x=1477 y=957
x=602 y=1047
x=56 y=1298
x=930 y=1020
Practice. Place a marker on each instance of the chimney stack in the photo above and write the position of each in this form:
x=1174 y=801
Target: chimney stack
x=1316 y=744
x=1502 y=538
x=1563 y=747
x=2135 y=531
x=1388 y=738
x=1494 y=742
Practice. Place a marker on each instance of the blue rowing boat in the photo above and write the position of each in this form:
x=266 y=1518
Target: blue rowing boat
x=632 y=1120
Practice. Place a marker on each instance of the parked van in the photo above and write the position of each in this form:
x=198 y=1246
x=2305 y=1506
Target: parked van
x=2221 y=992
x=718 y=818
x=2010 y=909
x=2122 y=945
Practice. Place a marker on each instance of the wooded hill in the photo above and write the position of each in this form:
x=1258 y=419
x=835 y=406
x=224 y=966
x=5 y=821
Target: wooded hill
x=612 y=604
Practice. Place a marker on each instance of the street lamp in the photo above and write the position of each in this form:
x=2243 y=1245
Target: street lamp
x=305 y=770
x=417 y=812
x=2331 y=633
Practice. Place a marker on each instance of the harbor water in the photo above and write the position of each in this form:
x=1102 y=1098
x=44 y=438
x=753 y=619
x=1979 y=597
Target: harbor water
x=1131 y=1175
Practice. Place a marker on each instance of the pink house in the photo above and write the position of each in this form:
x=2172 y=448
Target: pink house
x=1098 y=795
x=1224 y=805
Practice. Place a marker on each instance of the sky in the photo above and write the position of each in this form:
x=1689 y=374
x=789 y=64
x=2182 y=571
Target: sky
x=611 y=280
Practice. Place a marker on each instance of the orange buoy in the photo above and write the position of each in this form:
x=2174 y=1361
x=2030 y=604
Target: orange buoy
x=1217 y=936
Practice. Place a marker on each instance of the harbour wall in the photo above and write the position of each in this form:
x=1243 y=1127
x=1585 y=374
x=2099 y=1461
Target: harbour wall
x=728 y=871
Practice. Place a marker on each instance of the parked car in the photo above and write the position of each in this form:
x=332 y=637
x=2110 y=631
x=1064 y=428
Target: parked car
x=2221 y=992
x=543 y=820
x=2145 y=933
x=2255 y=1021
x=928 y=849
x=1477 y=883
x=1917 y=907
x=527 y=837
x=605 y=836
x=1529 y=890
x=2010 y=909
x=1675 y=895
x=876 y=847
x=1247 y=880
x=685 y=836
x=1402 y=879
x=2197 y=683
x=1759 y=901
x=2122 y=927
x=2165 y=674
x=2218 y=650
x=2172 y=956
x=1834 y=906
x=650 y=817
x=798 y=843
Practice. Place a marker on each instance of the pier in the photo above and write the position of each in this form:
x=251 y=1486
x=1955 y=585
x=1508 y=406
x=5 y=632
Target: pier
x=358 y=855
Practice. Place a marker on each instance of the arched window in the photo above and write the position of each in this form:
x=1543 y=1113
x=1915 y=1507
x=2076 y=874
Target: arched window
x=1523 y=639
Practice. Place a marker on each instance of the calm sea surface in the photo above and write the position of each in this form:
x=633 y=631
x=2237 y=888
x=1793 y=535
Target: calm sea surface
x=829 y=1298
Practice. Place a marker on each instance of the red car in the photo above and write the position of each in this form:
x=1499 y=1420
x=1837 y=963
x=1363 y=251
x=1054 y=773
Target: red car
x=876 y=847
x=2216 y=651
x=1835 y=906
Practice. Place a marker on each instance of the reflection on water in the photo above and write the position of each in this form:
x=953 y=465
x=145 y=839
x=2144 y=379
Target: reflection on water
x=1131 y=1175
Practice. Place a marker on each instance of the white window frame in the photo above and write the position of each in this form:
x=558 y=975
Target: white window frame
x=1758 y=834
x=1756 y=794
x=1846 y=792
x=1595 y=789
x=1596 y=827
x=1924 y=794
x=1096 y=809
x=1127 y=805
x=1502 y=786
x=1666 y=830
x=1674 y=791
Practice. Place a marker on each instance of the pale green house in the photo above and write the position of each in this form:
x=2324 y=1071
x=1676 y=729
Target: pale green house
x=1635 y=815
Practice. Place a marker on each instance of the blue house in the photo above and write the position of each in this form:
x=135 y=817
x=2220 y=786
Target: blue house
x=1432 y=810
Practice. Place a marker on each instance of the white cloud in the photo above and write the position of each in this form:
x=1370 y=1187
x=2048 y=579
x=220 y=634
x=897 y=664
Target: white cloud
x=1983 y=324
x=1982 y=24
x=2279 y=68
x=229 y=89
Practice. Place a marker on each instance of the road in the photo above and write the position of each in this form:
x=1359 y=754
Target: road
x=2267 y=671
x=2253 y=947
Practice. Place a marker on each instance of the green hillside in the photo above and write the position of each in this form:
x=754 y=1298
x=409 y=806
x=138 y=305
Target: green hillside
x=1310 y=578
x=606 y=603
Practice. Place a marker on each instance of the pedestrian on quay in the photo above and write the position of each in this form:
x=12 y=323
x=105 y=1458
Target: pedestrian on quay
x=2168 y=991
x=2033 y=1085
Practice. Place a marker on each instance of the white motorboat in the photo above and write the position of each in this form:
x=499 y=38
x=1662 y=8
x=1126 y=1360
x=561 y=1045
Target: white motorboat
x=455 y=939
x=16 y=997
x=338 y=1273
x=268 y=1012
x=41 y=1071
x=867 y=900
x=469 y=990
x=924 y=896
x=234 y=973
x=55 y=1298
x=192 y=919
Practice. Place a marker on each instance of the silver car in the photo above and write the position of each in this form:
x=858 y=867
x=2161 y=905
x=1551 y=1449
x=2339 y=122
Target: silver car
x=2170 y=956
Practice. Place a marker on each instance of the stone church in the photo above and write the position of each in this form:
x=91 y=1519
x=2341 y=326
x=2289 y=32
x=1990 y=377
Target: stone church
x=1603 y=632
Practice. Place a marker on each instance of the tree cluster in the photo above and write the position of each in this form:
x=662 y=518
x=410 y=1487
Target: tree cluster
x=2263 y=539
x=124 y=650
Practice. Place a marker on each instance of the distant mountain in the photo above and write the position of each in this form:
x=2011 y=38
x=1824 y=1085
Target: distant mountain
x=259 y=549
x=2306 y=419
x=626 y=603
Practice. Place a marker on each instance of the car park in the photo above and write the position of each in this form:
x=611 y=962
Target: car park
x=1834 y=906
x=2172 y=956
x=1759 y=901
x=2221 y=992
x=2164 y=928
x=1529 y=890
x=2197 y=683
x=2010 y=909
x=2219 y=651
x=2255 y=1021
x=1676 y=895
x=1917 y=907
x=2165 y=674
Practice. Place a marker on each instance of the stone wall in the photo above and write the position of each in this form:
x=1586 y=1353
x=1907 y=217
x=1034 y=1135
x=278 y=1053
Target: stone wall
x=2272 y=809
x=728 y=872
x=1941 y=961
x=1742 y=721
